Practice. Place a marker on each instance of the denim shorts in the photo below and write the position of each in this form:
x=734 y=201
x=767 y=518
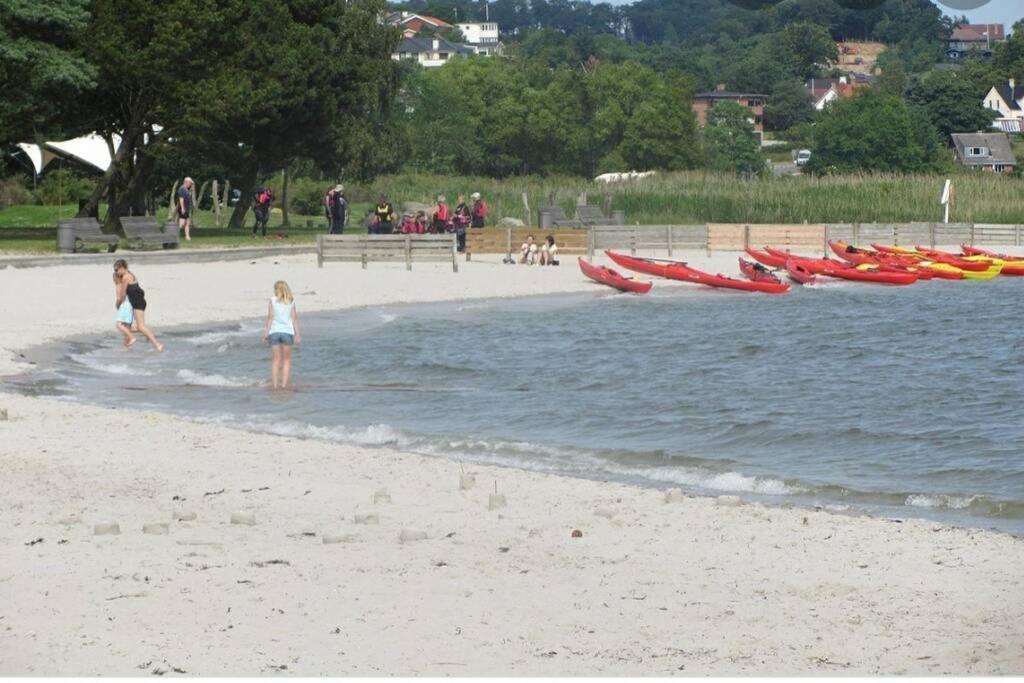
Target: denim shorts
x=278 y=338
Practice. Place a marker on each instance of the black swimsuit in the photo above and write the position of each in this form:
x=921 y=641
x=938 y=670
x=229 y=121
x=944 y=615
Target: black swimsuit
x=136 y=297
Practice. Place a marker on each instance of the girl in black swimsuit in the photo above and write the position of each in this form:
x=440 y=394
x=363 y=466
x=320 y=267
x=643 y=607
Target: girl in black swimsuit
x=137 y=298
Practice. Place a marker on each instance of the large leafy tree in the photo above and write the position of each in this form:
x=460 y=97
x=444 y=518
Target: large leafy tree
x=952 y=104
x=788 y=105
x=41 y=70
x=871 y=131
x=731 y=144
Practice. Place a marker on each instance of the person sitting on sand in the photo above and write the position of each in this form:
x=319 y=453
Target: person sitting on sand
x=137 y=300
x=408 y=224
x=125 y=318
x=281 y=332
x=548 y=255
x=528 y=252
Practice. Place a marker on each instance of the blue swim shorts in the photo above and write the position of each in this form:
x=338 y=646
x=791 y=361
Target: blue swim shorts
x=278 y=338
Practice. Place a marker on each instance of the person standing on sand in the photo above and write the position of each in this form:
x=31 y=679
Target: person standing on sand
x=125 y=318
x=337 y=209
x=137 y=300
x=281 y=332
x=185 y=207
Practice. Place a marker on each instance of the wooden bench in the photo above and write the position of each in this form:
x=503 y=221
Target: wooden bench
x=86 y=231
x=366 y=248
x=558 y=217
x=142 y=231
x=587 y=215
x=570 y=241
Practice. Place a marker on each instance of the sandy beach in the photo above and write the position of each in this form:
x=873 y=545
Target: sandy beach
x=348 y=560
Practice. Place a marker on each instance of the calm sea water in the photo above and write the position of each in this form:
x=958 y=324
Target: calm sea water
x=894 y=401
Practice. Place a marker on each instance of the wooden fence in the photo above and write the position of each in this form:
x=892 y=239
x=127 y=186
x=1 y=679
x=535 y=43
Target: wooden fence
x=810 y=237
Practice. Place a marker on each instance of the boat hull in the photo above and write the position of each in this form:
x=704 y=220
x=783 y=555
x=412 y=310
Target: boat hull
x=612 y=278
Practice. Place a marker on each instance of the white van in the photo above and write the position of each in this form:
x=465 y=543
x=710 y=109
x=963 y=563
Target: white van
x=802 y=157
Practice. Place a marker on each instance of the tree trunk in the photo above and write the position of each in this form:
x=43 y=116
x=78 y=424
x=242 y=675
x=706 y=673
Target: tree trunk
x=242 y=207
x=285 y=221
x=104 y=186
x=132 y=194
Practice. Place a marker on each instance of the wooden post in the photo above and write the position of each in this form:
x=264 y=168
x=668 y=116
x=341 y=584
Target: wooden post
x=931 y=234
x=408 y=252
x=285 y=219
x=216 y=203
x=824 y=241
x=227 y=192
x=632 y=241
x=455 y=252
x=319 y=251
x=508 y=241
x=972 y=234
x=526 y=211
x=172 y=204
x=198 y=197
x=856 y=234
x=582 y=199
x=669 y=231
x=746 y=236
x=590 y=241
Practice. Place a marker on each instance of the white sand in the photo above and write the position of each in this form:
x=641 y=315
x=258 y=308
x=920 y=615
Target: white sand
x=690 y=587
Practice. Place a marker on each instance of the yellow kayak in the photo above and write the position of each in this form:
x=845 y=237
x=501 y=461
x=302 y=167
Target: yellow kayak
x=992 y=272
x=953 y=273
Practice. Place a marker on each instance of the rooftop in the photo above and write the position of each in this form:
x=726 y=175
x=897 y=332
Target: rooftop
x=997 y=144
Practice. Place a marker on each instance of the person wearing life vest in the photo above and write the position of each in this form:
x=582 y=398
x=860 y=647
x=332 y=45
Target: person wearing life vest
x=338 y=209
x=479 y=210
x=383 y=217
x=463 y=217
x=262 y=199
x=440 y=214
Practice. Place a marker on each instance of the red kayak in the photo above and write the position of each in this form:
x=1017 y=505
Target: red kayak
x=757 y=272
x=763 y=257
x=968 y=250
x=954 y=260
x=799 y=273
x=677 y=270
x=612 y=278
x=883 y=277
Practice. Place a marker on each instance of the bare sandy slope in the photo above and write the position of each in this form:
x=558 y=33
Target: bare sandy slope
x=694 y=586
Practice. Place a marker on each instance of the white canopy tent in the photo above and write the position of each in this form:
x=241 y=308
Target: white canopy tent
x=91 y=150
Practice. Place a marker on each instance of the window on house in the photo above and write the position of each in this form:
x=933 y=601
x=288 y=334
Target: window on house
x=998 y=168
x=443 y=56
x=977 y=152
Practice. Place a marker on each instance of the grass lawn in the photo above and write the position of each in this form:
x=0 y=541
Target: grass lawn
x=19 y=222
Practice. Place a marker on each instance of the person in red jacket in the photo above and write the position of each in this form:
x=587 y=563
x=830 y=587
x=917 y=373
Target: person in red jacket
x=479 y=210
x=440 y=215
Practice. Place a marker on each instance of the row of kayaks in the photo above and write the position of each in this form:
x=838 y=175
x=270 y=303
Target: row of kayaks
x=888 y=265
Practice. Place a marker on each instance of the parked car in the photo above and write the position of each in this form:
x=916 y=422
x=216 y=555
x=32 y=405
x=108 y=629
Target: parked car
x=801 y=157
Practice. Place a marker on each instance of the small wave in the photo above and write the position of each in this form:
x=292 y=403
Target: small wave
x=372 y=435
x=940 y=501
x=110 y=368
x=388 y=317
x=214 y=380
x=221 y=336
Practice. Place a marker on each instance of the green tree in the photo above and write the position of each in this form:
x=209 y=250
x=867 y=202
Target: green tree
x=732 y=146
x=41 y=71
x=871 y=131
x=810 y=48
x=951 y=103
x=1008 y=59
x=788 y=106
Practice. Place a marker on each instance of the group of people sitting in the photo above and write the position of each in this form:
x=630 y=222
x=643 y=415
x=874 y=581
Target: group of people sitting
x=543 y=254
x=439 y=219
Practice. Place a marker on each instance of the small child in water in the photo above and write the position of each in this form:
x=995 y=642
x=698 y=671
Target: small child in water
x=125 y=316
x=282 y=331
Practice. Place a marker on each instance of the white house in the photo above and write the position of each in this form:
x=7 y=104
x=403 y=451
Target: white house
x=429 y=52
x=482 y=37
x=1007 y=99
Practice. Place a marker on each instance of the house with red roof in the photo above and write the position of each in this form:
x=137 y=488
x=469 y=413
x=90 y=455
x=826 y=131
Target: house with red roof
x=974 y=38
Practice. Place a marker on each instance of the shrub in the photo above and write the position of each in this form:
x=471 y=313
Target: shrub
x=63 y=186
x=305 y=196
x=13 y=191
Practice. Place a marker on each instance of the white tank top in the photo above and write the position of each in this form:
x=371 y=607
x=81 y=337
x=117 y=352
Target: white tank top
x=282 y=323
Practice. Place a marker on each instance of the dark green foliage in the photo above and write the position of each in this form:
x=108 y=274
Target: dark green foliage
x=731 y=144
x=41 y=70
x=872 y=131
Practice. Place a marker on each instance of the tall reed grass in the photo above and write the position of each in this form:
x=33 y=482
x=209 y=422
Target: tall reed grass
x=696 y=197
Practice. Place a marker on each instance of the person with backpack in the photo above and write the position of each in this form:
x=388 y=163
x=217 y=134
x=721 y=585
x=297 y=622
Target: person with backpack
x=479 y=210
x=262 y=199
x=440 y=214
x=337 y=209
